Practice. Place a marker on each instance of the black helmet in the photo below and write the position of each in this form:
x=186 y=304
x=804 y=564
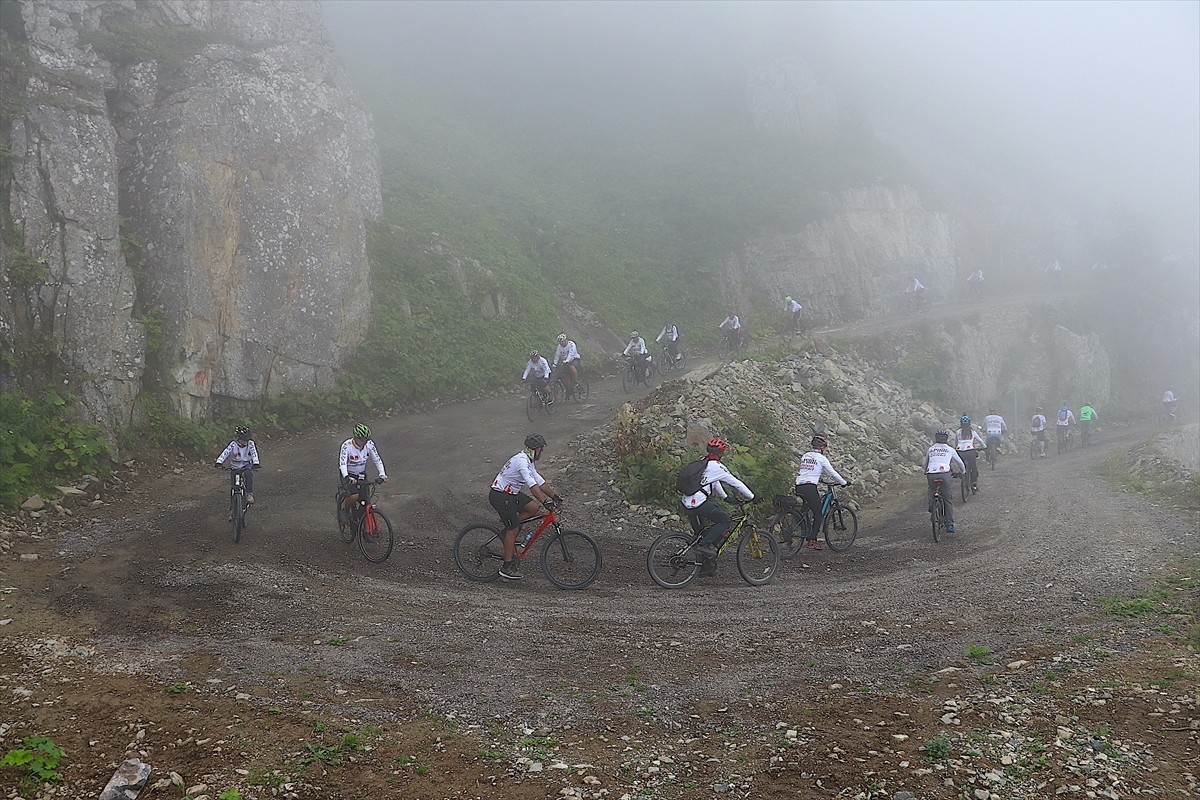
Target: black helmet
x=241 y=433
x=941 y=436
x=535 y=441
x=819 y=442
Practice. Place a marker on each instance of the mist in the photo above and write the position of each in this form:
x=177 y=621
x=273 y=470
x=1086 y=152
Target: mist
x=1096 y=103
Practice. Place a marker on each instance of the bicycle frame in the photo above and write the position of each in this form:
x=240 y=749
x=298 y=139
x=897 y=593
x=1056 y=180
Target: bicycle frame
x=547 y=519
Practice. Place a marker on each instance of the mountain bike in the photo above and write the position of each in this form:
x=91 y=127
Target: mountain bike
x=636 y=373
x=365 y=522
x=674 y=559
x=558 y=386
x=1035 y=446
x=540 y=401
x=993 y=455
x=792 y=523
x=732 y=342
x=239 y=509
x=670 y=363
x=569 y=560
x=1064 y=438
x=1085 y=433
x=938 y=517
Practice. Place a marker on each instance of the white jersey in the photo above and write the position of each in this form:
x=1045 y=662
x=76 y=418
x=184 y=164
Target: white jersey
x=914 y=286
x=994 y=425
x=792 y=306
x=1039 y=423
x=967 y=442
x=239 y=456
x=353 y=461
x=813 y=465
x=539 y=368
x=939 y=457
x=517 y=475
x=566 y=353
x=715 y=474
x=1065 y=419
x=670 y=333
x=636 y=346
x=731 y=321
x=1168 y=396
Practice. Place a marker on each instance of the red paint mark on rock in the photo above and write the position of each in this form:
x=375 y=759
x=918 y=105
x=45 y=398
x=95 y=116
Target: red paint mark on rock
x=200 y=378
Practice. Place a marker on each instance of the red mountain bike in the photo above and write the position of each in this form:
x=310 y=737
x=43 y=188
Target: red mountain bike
x=365 y=522
x=569 y=560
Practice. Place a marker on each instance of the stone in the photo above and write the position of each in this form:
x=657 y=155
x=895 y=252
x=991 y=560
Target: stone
x=34 y=503
x=127 y=782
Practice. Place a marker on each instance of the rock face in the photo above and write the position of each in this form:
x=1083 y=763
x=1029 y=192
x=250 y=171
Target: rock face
x=854 y=261
x=201 y=168
x=785 y=96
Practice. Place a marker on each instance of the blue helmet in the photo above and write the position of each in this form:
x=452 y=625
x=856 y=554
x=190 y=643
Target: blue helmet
x=941 y=436
x=965 y=420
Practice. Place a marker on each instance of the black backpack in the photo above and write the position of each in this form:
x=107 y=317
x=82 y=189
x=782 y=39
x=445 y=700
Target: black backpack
x=689 y=480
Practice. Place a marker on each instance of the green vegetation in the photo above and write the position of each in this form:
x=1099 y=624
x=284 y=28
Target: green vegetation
x=27 y=271
x=131 y=43
x=937 y=748
x=978 y=653
x=42 y=446
x=36 y=762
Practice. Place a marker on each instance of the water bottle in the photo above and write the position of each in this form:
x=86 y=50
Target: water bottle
x=528 y=538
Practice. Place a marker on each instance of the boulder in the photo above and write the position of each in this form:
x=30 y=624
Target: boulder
x=34 y=503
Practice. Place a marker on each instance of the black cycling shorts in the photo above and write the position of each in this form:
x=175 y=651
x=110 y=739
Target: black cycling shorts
x=508 y=506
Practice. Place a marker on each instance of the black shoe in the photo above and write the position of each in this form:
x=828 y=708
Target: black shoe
x=511 y=570
x=708 y=568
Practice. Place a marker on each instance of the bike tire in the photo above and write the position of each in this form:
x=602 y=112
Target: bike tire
x=757 y=556
x=571 y=559
x=479 y=552
x=375 y=538
x=672 y=561
x=547 y=407
x=789 y=529
x=1033 y=450
x=841 y=529
x=238 y=511
x=964 y=488
x=937 y=517
x=584 y=390
x=991 y=459
x=681 y=364
x=628 y=381
x=531 y=406
x=558 y=392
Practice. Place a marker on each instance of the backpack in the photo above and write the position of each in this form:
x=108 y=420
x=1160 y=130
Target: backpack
x=689 y=479
x=1062 y=415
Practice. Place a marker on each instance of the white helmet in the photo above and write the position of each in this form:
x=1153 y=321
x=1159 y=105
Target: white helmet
x=562 y=337
x=633 y=335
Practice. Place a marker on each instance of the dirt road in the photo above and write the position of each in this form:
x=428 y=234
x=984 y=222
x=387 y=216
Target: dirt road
x=270 y=644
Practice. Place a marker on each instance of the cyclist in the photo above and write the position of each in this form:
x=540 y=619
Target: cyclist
x=813 y=465
x=735 y=329
x=352 y=465
x=965 y=440
x=540 y=369
x=241 y=453
x=939 y=459
x=975 y=280
x=568 y=354
x=1038 y=426
x=637 y=350
x=915 y=291
x=793 y=308
x=1170 y=401
x=670 y=332
x=508 y=497
x=995 y=428
x=1087 y=415
x=701 y=507
x=1066 y=418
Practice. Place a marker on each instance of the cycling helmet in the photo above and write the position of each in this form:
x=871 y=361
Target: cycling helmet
x=787 y=299
x=991 y=411
x=941 y=436
x=533 y=354
x=1038 y=409
x=819 y=442
x=562 y=337
x=633 y=335
x=241 y=433
x=535 y=441
x=717 y=446
x=362 y=432
x=965 y=420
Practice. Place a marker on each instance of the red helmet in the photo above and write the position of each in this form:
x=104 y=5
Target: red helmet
x=717 y=446
x=819 y=442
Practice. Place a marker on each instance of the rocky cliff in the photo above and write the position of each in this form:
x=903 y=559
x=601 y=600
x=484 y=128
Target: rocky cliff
x=854 y=260
x=186 y=198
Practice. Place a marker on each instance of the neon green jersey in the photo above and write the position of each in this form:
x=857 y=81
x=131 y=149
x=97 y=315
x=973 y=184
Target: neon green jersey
x=1086 y=413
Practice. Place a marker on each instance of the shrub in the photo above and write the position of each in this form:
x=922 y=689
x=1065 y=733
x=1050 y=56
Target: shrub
x=38 y=762
x=41 y=446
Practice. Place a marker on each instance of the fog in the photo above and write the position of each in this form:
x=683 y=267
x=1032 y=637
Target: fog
x=1094 y=102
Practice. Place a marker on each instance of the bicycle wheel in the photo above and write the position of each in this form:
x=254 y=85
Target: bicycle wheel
x=479 y=552
x=757 y=556
x=1033 y=450
x=558 y=391
x=789 y=529
x=628 y=380
x=991 y=457
x=681 y=362
x=964 y=487
x=584 y=389
x=841 y=528
x=937 y=516
x=237 y=509
x=571 y=559
x=547 y=402
x=671 y=560
x=375 y=536
x=531 y=405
